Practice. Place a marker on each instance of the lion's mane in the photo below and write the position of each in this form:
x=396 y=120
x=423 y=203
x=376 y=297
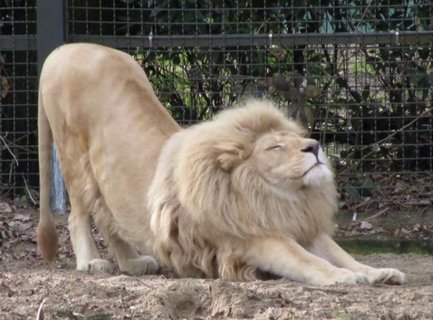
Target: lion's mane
x=207 y=200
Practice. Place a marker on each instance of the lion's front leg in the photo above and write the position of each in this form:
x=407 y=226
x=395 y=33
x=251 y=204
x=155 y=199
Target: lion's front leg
x=323 y=246
x=288 y=259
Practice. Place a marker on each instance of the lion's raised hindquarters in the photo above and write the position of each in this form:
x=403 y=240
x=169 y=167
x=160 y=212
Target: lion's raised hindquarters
x=109 y=127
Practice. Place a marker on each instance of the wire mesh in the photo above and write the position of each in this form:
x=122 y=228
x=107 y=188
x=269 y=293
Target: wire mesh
x=18 y=98
x=358 y=74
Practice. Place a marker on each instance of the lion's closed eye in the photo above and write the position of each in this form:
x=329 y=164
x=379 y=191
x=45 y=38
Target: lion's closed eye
x=275 y=147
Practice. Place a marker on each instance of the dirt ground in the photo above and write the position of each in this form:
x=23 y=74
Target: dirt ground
x=25 y=282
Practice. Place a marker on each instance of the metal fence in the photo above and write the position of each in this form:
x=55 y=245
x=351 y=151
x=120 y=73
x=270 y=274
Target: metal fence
x=18 y=97
x=358 y=74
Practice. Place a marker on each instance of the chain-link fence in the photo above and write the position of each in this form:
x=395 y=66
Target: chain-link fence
x=18 y=97
x=358 y=74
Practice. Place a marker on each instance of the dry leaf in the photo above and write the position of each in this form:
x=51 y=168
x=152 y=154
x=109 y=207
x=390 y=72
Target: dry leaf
x=4 y=87
x=5 y=207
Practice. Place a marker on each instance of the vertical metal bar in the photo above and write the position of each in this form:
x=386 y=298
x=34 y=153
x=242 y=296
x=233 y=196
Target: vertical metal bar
x=51 y=25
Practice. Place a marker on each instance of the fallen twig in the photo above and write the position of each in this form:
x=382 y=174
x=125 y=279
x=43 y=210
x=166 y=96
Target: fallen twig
x=8 y=149
x=143 y=283
x=376 y=214
x=28 y=191
x=40 y=315
x=341 y=291
x=420 y=203
x=359 y=205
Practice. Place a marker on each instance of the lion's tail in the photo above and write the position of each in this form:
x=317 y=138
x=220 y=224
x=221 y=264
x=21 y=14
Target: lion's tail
x=47 y=233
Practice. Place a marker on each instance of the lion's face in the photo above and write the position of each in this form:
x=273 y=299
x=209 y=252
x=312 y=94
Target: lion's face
x=286 y=160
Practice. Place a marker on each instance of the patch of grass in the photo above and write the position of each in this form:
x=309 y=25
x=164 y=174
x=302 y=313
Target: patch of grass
x=369 y=246
x=341 y=315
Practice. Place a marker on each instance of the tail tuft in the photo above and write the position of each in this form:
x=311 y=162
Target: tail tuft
x=47 y=239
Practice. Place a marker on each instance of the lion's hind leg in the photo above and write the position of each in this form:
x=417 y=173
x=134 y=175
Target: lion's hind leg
x=83 y=243
x=83 y=194
x=130 y=262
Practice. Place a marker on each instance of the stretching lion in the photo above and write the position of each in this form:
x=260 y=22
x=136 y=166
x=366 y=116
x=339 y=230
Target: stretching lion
x=244 y=193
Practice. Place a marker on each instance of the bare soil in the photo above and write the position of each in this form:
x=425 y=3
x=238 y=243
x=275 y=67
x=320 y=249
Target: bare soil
x=26 y=281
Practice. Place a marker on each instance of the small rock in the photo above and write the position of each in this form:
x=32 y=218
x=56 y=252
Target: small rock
x=365 y=225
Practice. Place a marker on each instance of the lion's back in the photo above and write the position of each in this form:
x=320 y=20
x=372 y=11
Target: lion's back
x=91 y=76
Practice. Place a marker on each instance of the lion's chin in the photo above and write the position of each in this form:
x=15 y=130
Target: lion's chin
x=317 y=176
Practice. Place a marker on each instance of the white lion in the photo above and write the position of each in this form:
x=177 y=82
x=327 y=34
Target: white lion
x=243 y=193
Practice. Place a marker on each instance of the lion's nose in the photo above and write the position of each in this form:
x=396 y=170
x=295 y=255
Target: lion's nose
x=312 y=147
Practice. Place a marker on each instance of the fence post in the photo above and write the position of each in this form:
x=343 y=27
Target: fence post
x=51 y=26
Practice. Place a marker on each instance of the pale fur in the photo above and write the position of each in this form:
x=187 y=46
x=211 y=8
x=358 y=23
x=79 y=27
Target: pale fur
x=109 y=127
x=236 y=203
x=225 y=198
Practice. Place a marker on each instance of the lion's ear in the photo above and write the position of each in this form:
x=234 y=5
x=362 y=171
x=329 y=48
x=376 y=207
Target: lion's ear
x=227 y=161
x=230 y=155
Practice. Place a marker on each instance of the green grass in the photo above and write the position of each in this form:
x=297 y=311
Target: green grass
x=370 y=246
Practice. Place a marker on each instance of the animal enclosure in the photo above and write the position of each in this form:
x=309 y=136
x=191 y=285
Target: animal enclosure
x=357 y=74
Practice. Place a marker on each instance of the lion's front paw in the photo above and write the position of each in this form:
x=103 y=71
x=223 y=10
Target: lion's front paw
x=352 y=278
x=386 y=275
x=140 y=266
x=96 y=266
x=346 y=276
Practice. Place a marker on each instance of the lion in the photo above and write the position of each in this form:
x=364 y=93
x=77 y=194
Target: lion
x=243 y=194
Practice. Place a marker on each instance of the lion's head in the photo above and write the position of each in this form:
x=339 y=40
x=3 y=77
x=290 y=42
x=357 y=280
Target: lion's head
x=249 y=172
x=288 y=161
